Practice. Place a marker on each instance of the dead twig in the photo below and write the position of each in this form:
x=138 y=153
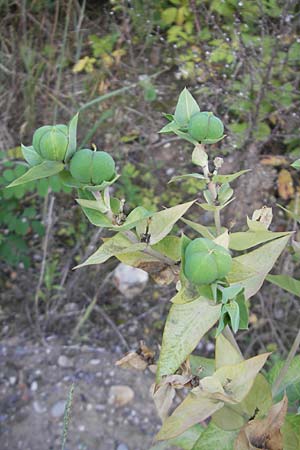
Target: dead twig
x=49 y=222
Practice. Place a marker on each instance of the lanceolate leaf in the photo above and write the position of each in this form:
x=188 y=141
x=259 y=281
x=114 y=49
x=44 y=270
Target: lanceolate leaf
x=257 y=263
x=112 y=247
x=290 y=431
x=185 y=326
x=201 y=229
x=186 y=107
x=195 y=408
x=162 y=222
x=214 y=438
x=291 y=382
x=237 y=379
x=296 y=164
x=186 y=441
x=226 y=353
x=257 y=402
x=287 y=283
x=228 y=385
x=43 y=170
x=228 y=178
x=248 y=239
x=31 y=156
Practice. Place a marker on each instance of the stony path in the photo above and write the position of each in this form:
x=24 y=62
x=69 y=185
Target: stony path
x=34 y=385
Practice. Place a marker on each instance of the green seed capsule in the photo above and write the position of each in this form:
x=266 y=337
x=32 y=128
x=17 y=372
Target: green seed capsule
x=205 y=126
x=51 y=142
x=92 y=167
x=206 y=262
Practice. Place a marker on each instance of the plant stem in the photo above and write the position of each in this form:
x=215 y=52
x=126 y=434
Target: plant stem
x=286 y=365
x=149 y=251
x=217 y=220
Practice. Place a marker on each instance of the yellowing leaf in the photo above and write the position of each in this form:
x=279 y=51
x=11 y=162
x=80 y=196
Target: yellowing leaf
x=84 y=64
x=226 y=353
x=238 y=379
x=185 y=326
x=285 y=185
x=161 y=223
x=251 y=269
x=195 y=408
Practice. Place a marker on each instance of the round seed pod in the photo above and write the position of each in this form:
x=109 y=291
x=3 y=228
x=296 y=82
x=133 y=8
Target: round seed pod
x=51 y=142
x=206 y=262
x=92 y=167
x=205 y=126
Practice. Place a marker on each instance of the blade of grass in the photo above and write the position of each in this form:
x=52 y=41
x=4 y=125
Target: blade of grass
x=67 y=415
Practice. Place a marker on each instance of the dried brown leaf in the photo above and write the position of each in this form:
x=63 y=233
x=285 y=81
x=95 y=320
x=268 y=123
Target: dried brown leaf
x=264 y=434
x=285 y=185
x=274 y=160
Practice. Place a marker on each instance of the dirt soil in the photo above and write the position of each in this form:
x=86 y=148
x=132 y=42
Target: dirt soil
x=34 y=384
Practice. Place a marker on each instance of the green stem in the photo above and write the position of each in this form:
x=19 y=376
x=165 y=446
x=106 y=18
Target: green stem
x=286 y=365
x=217 y=219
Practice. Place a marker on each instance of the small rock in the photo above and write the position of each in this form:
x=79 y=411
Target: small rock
x=130 y=281
x=58 y=409
x=34 y=386
x=94 y=362
x=70 y=307
x=39 y=407
x=65 y=362
x=122 y=447
x=12 y=380
x=120 y=395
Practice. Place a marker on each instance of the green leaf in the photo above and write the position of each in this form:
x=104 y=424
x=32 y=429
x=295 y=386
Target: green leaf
x=291 y=381
x=201 y=366
x=232 y=308
x=171 y=127
x=112 y=247
x=290 y=431
x=168 y=16
x=198 y=176
x=287 y=283
x=133 y=219
x=248 y=239
x=296 y=164
x=92 y=204
x=290 y=213
x=170 y=246
x=228 y=178
x=185 y=108
x=162 y=222
x=72 y=144
x=251 y=269
x=214 y=438
x=43 y=170
x=185 y=136
x=185 y=441
x=31 y=156
x=186 y=324
x=201 y=229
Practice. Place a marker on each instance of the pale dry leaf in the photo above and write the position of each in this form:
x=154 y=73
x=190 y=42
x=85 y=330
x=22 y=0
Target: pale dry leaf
x=132 y=361
x=163 y=399
x=263 y=215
